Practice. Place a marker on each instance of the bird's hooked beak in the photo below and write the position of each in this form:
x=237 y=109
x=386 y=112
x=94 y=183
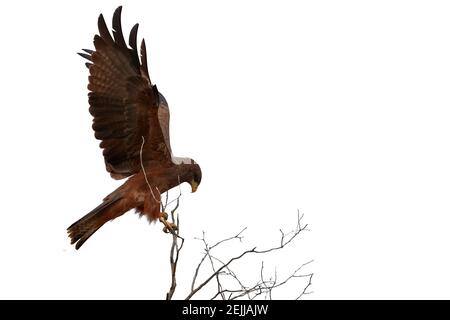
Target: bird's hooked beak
x=194 y=185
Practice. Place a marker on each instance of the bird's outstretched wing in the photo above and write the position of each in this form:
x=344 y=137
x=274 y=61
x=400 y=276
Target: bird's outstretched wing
x=123 y=102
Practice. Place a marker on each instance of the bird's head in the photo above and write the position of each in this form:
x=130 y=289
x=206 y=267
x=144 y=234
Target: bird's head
x=196 y=175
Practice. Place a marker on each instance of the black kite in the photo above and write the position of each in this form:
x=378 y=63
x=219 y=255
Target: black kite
x=132 y=119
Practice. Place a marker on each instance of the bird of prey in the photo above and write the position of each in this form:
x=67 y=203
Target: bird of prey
x=131 y=118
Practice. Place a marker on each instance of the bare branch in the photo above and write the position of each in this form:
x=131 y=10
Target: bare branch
x=233 y=275
x=263 y=286
x=218 y=270
x=304 y=292
x=194 y=279
x=174 y=249
x=221 y=270
x=145 y=174
x=209 y=248
x=237 y=236
x=267 y=286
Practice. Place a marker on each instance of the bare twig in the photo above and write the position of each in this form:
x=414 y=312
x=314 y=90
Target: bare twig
x=234 y=276
x=263 y=285
x=219 y=285
x=175 y=248
x=237 y=236
x=267 y=286
x=304 y=292
x=179 y=194
x=218 y=271
x=211 y=258
x=145 y=174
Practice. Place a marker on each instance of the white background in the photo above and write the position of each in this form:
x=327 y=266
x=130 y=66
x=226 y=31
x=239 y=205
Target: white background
x=339 y=109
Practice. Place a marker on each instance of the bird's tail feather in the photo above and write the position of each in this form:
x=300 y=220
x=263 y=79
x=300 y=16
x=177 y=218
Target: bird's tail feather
x=81 y=230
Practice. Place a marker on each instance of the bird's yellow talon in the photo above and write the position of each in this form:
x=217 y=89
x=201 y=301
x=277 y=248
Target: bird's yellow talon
x=163 y=215
x=170 y=227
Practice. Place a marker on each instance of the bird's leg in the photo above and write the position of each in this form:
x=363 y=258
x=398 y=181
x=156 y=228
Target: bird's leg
x=169 y=227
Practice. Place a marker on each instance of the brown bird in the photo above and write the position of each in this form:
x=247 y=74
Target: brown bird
x=131 y=118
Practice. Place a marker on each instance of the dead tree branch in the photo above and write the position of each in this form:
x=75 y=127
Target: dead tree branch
x=175 y=246
x=207 y=254
x=263 y=286
x=222 y=270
